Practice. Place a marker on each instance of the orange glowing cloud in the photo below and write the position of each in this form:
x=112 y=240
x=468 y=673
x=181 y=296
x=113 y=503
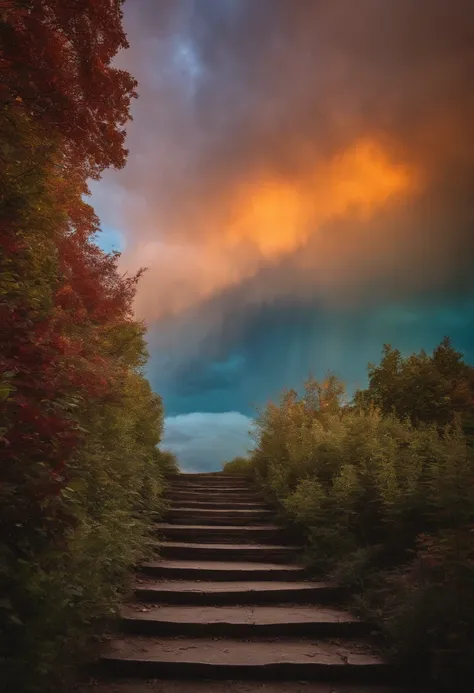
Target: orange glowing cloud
x=277 y=217
x=266 y=219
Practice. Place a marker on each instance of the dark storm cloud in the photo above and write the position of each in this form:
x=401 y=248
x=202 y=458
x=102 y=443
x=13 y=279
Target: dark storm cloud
x=281 y=343
x=238 y=91
x=231 y=91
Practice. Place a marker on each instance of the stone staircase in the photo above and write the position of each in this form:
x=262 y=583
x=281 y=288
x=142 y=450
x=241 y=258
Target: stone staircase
x=227 y=599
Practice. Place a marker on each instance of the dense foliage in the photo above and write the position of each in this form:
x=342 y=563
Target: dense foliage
x=242 y=466
x=55 y=61
x=435 y=388
x=384 y=494
x=79 y=425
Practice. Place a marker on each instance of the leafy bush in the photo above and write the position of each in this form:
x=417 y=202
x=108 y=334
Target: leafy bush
x=241 y=466
x=168 y=462
x=387 y=507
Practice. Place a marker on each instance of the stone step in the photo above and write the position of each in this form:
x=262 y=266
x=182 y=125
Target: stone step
x=196 y=516
x=219 y=505
x=221 y=534
x=231 y=593
x=207 y=487
x=222 y=571
x=264 y=553
x=207 y=496
x=262 y=659
x=243 y=621
x=128 y=685
x=230 y=495
x=211 y=484
x=208 y=477
x=214 y=489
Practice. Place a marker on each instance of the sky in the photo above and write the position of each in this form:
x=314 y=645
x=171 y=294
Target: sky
x=300 y=187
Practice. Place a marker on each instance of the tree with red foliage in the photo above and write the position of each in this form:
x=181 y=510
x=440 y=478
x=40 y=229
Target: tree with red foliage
x=79 y=424
x=55 y=62
x=63 y=111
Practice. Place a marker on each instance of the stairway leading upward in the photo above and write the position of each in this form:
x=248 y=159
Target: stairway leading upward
x=227 y=599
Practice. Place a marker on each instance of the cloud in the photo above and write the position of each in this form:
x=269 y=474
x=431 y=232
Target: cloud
x=297 y=136
x=300 y=186
x=204 y=441
x=266 y=218
x=276 y=344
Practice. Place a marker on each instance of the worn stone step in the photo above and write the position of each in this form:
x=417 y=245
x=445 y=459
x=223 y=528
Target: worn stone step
x=128 y=685
x=230 y=593
x=279 y=658
x=219 y=505
x=217 y=494
x=242 y=621
x=206 y=496
x=264 y=553
x=211 y=485
x=218 y=534
x=211 y=477
x=223 y=571
x=207 y=487
x=214 y=489
x=196 y=516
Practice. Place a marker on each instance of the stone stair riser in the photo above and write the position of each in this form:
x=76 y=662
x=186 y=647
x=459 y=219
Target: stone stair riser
x=290 y=596
x=218 y=505
x=352 y=629
x=207 y=536
x=343 y=672
x=201 y=517
x=247 y=497
x=230 y=554
x=212 y=490
x=222 y=575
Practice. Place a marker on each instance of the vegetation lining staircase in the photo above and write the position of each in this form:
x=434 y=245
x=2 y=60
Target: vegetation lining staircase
x=229 y=599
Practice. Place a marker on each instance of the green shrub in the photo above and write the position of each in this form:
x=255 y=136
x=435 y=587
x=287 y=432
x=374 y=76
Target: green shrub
x=242 y=466
x=168 y=462
x=69 y=589
x=387 y=508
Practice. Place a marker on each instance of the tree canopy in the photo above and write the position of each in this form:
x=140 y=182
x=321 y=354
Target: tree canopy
x=79 y=424
x=56 y=64
x=423 y=388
